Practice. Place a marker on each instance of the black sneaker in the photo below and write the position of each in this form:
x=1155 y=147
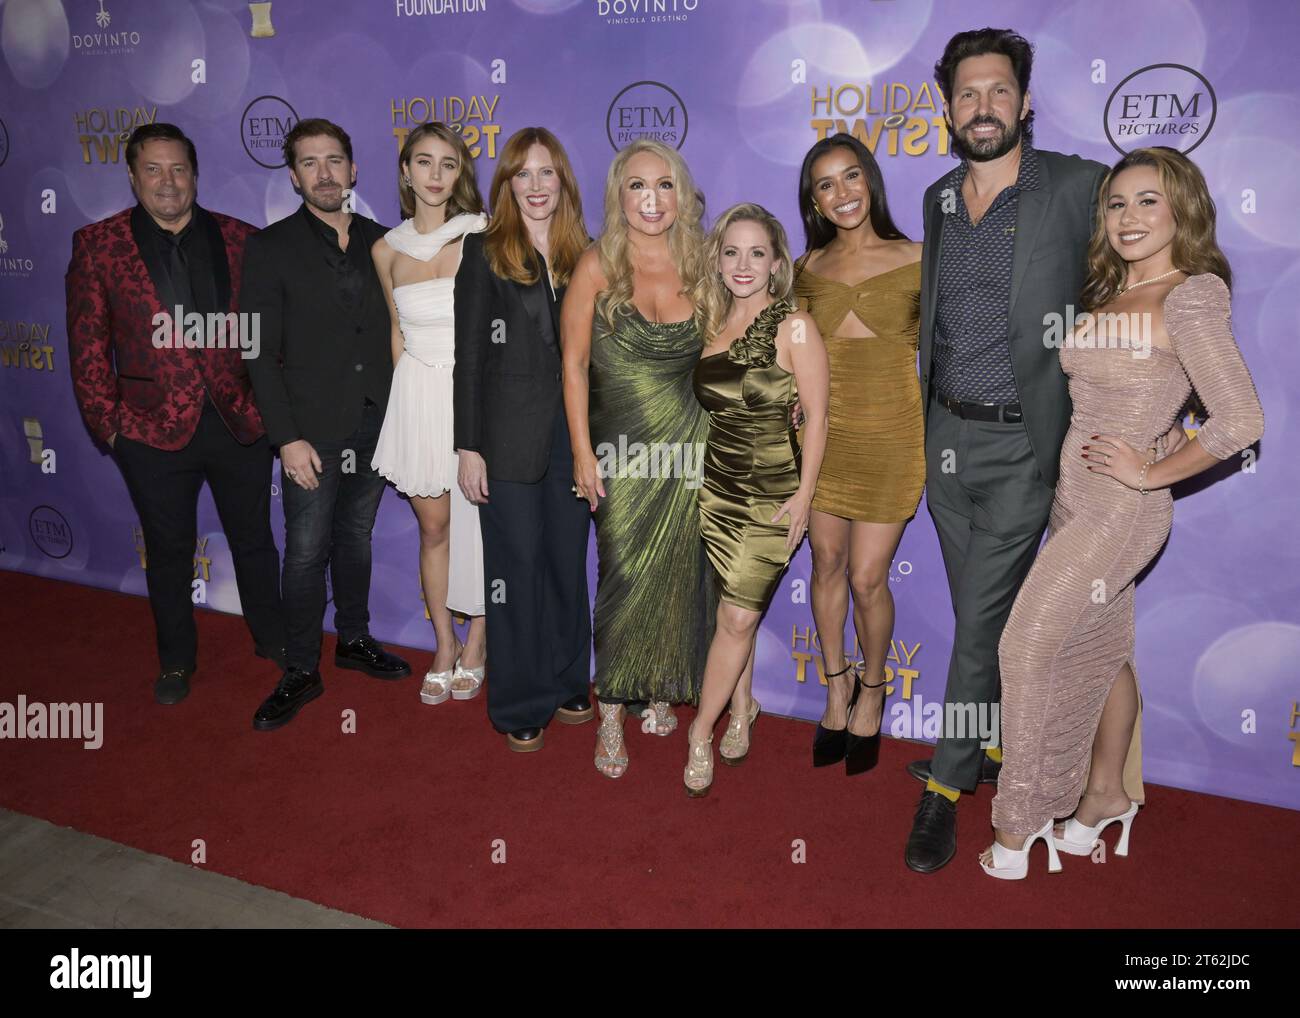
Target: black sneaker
x=173 y=685
x=364 y=654
x=295 y=690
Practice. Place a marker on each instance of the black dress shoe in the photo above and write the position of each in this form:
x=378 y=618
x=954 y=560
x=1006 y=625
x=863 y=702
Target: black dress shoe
x=275 y=654
x=295 y=690
x=575 y=711
x=933 y=841
x=525 y=740
x=173 y=685
x=989 y=770
x=365 y=655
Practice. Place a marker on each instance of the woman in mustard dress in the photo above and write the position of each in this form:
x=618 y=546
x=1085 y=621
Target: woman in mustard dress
x=861 y=282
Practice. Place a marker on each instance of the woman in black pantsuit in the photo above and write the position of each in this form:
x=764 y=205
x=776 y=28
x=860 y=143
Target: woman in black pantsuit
x=510 y=432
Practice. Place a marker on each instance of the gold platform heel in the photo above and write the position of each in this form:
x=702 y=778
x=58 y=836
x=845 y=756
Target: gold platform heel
x=734 y=746
x=698 y=776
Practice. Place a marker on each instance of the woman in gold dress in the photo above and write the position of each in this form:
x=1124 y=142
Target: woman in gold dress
x=763 y=356
x=1159 y=326
x=861 y=281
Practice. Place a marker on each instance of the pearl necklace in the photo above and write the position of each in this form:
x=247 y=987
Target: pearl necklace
x=1163 y=275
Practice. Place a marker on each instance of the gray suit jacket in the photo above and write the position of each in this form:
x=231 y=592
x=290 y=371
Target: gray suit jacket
x=1053 y=226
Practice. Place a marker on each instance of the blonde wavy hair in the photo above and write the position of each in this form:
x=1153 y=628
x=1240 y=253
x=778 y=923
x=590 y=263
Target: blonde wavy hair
x=685 y=236
x=714 y=299
x=1195 y=249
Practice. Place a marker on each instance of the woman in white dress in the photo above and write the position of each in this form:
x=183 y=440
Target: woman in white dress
x=417 y=265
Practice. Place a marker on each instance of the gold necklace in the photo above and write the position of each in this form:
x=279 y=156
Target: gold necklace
x=1125 y=289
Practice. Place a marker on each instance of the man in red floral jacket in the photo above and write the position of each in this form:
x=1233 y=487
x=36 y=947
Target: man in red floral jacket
x=159 y=367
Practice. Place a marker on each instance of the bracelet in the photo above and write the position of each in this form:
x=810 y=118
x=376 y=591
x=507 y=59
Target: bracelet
x=1142 y=476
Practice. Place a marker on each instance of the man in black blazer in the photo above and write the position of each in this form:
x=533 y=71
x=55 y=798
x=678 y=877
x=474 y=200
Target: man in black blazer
x=322 y=383
x=517 y=465
x=1006 y=237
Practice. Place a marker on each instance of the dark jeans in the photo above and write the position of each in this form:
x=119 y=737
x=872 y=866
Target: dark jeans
x=990 y=507
x=331 y=524
x=165 y=489
x=539 y=618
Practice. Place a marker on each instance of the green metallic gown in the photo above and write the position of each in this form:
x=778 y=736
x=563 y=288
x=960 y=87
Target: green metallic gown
x=655 y=603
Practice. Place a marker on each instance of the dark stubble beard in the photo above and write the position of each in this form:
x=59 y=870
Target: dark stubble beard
x=332 y=203
x=989 y=148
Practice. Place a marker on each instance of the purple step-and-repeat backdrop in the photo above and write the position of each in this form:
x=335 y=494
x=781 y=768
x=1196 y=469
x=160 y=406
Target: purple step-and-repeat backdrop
x=742 y=88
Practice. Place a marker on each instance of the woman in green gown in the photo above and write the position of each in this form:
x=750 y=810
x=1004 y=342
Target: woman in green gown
x=630 y=341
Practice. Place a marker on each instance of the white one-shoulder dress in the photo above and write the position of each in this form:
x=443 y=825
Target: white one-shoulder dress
x=415 y=449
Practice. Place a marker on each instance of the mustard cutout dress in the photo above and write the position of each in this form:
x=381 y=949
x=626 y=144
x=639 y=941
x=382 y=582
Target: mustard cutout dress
x=874 y=466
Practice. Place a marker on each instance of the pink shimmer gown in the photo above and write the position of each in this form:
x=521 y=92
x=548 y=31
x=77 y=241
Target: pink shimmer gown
x=1071 y=628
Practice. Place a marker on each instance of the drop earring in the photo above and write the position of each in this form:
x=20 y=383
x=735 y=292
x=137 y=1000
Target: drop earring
x=771 y=283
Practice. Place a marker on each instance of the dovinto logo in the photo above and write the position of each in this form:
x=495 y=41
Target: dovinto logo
x=50 y=531
x=107 y=38
x=1161 y=104
x=262 y=127
x=641 y=12
x=646 y=109
x=12 y=265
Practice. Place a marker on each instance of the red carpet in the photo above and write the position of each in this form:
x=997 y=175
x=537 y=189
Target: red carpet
x=397 y=822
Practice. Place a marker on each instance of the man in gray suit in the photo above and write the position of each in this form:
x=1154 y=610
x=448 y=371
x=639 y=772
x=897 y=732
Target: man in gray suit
x=1006 y=237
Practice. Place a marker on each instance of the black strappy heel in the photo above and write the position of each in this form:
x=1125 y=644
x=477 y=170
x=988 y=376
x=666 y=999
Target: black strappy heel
x=862 y=752
x=830 y=744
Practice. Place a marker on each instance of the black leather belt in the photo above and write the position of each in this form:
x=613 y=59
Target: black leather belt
x=1007 y=413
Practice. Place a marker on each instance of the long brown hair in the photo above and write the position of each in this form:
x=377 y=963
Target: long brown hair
x=712 y=296
x=1195 y=249
x=464 y=196
x=506 y=243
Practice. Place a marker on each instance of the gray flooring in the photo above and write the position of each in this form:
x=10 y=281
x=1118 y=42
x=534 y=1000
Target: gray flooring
x=57 y=878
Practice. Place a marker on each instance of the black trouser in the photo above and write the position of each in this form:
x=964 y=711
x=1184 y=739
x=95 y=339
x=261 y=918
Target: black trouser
x=165 y=489
x=331 y=524
x=535 y=575
x=990 y=506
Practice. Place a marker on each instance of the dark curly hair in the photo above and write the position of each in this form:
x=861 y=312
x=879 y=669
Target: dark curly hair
x=978 y=42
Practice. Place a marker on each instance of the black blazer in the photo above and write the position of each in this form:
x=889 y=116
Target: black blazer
x=507 y=387
x=1054 y=223
x=318 y=358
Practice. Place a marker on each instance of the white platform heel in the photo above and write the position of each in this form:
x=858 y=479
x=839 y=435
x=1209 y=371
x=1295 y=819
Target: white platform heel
x=1010 y=864
x=1077 y=839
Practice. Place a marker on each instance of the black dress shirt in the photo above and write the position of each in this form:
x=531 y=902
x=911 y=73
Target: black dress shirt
x=972 y=351
x=348 y=268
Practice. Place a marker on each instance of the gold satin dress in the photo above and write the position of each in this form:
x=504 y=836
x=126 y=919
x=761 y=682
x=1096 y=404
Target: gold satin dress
x=874 y=467
x=751 y=461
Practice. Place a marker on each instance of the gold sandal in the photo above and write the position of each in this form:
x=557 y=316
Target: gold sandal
x=611 y=751
x=733 y=749
x=658 y=718
x=698 y=776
